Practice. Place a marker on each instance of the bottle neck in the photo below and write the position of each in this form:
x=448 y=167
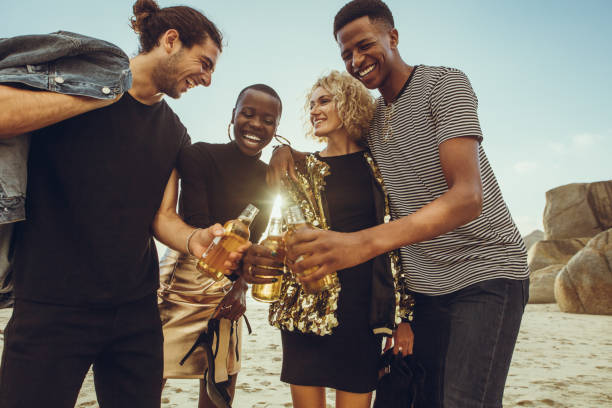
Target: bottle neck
x=245 y=221
x=248 y=214
x=276 y=228
x=295 y=216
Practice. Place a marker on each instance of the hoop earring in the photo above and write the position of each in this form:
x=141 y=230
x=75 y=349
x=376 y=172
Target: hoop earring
x=228 y=132
x=282 y=140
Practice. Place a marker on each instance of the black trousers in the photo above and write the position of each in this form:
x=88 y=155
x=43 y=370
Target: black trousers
x=465 y=340
x=48 y=350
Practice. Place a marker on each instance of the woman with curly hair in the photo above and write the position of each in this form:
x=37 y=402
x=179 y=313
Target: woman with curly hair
x=333 y=339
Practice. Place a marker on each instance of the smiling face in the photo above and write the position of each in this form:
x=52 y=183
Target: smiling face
x=368 y=50
x=324 y=113
x=255 y=120
x=185 y=68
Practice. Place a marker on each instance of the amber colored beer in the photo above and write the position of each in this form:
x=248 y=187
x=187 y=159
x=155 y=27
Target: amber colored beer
x=296 y=221
x=270 y=292
x=236 y=234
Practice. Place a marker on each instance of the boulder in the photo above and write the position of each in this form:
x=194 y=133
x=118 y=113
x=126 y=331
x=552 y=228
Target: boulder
x=578 y=210
x=584 y=285
x=533 y=237
x=542 y=284
x=553 y=252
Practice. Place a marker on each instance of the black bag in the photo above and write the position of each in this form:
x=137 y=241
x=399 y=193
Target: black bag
x=402 y=382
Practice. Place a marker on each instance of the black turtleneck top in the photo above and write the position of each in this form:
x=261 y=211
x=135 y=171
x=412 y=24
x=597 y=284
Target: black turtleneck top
x=217 y=183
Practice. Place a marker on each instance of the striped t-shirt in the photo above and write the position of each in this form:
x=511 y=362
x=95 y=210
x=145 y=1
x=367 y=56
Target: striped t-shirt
x=438 y=104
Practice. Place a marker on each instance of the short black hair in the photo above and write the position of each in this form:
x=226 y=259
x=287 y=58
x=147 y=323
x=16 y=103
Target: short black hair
x=263 y=88
x=376 y=10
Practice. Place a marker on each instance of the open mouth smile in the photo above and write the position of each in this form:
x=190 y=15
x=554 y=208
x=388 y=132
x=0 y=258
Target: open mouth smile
x=366 y=71
x=252 y=138
x=190 y=83
x=317 y=122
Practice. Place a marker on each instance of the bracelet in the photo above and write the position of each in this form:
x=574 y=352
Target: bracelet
x=189 y=239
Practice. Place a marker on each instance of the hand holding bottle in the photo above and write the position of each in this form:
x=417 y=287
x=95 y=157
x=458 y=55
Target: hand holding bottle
x=297 y=256
x=235 y=236
x=202 y=238
x=322 y=252
x=259 y=261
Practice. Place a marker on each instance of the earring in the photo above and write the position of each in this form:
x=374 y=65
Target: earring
x=228 y=132
x=282 y=140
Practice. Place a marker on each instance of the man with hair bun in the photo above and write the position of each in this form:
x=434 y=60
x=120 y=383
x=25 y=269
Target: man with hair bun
x=101 y=183
x=461 y=252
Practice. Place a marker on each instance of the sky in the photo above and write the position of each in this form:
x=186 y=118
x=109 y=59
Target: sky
x=542 y=71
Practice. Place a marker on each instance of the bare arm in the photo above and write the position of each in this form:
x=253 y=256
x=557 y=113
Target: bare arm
x=461 y=203
x=282 y=163
x=23 y=110
x=172 y=231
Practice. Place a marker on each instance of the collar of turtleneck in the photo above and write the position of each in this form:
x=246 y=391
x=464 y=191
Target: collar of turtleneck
x=235 y=145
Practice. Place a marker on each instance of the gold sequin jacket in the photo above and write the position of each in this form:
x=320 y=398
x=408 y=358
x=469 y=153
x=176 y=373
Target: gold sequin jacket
x=391 y=301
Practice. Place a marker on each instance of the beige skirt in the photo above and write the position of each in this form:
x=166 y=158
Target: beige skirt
x=187 y=300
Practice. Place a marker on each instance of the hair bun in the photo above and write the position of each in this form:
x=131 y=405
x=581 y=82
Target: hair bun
x=143 y=9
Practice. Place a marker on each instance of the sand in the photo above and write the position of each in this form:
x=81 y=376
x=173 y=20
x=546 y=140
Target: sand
x=561 y=360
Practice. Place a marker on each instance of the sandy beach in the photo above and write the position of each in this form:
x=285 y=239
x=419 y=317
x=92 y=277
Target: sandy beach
x=561 y=360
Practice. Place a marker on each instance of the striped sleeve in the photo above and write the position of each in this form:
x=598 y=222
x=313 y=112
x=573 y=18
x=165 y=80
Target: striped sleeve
x=454 y=107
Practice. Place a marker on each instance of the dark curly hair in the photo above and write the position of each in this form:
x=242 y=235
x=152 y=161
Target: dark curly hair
x=150 y=22
x=376 y=10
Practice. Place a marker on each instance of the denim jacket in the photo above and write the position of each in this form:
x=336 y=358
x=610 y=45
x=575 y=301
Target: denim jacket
x=63 y=62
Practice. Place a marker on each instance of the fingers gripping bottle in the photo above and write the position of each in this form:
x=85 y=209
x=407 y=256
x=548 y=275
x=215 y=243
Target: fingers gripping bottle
x=295 y=221
x=270 y=292
x=236 y=234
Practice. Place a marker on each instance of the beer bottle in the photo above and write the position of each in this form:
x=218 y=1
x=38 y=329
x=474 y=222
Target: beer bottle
x=270 y=292
x=236 y=234
x=295 y=220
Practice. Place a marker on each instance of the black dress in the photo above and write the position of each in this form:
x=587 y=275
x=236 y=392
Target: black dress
x=347 y=359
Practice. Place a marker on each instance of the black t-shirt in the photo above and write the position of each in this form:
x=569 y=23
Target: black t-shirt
x=95 y=183
x=217 y=183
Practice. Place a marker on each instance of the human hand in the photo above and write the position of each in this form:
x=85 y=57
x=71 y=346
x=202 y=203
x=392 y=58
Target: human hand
x=233 y=305
x=203 y=238
x=403 y=340
x=281 y=164
x=329 y=250
x=256 y=256
x=232 y=262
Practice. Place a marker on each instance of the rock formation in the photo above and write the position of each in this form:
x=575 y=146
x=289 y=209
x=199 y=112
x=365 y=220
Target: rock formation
x=533 y=237
x=542 y=284
x=584 y=285
x=553 y=252
x=578 y=210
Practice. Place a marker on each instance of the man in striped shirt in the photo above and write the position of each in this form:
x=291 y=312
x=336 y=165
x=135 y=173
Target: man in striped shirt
x=461 y=252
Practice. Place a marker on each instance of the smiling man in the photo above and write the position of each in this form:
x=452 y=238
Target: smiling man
x=85 y=263
x=461 y=252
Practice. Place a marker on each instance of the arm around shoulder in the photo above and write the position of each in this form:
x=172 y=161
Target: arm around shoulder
x=24 y=110
x=282 y=163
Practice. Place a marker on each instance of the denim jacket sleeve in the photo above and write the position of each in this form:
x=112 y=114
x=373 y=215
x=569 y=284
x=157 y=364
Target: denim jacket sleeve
x=62 y=62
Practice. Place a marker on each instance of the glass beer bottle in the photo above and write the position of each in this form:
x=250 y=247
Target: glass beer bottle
x=236 y=234
x=270 y=292
x=295 y=221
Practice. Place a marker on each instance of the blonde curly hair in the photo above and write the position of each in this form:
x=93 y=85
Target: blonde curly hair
x=353 y=101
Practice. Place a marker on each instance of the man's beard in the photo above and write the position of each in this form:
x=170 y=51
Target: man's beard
x=165 y=76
